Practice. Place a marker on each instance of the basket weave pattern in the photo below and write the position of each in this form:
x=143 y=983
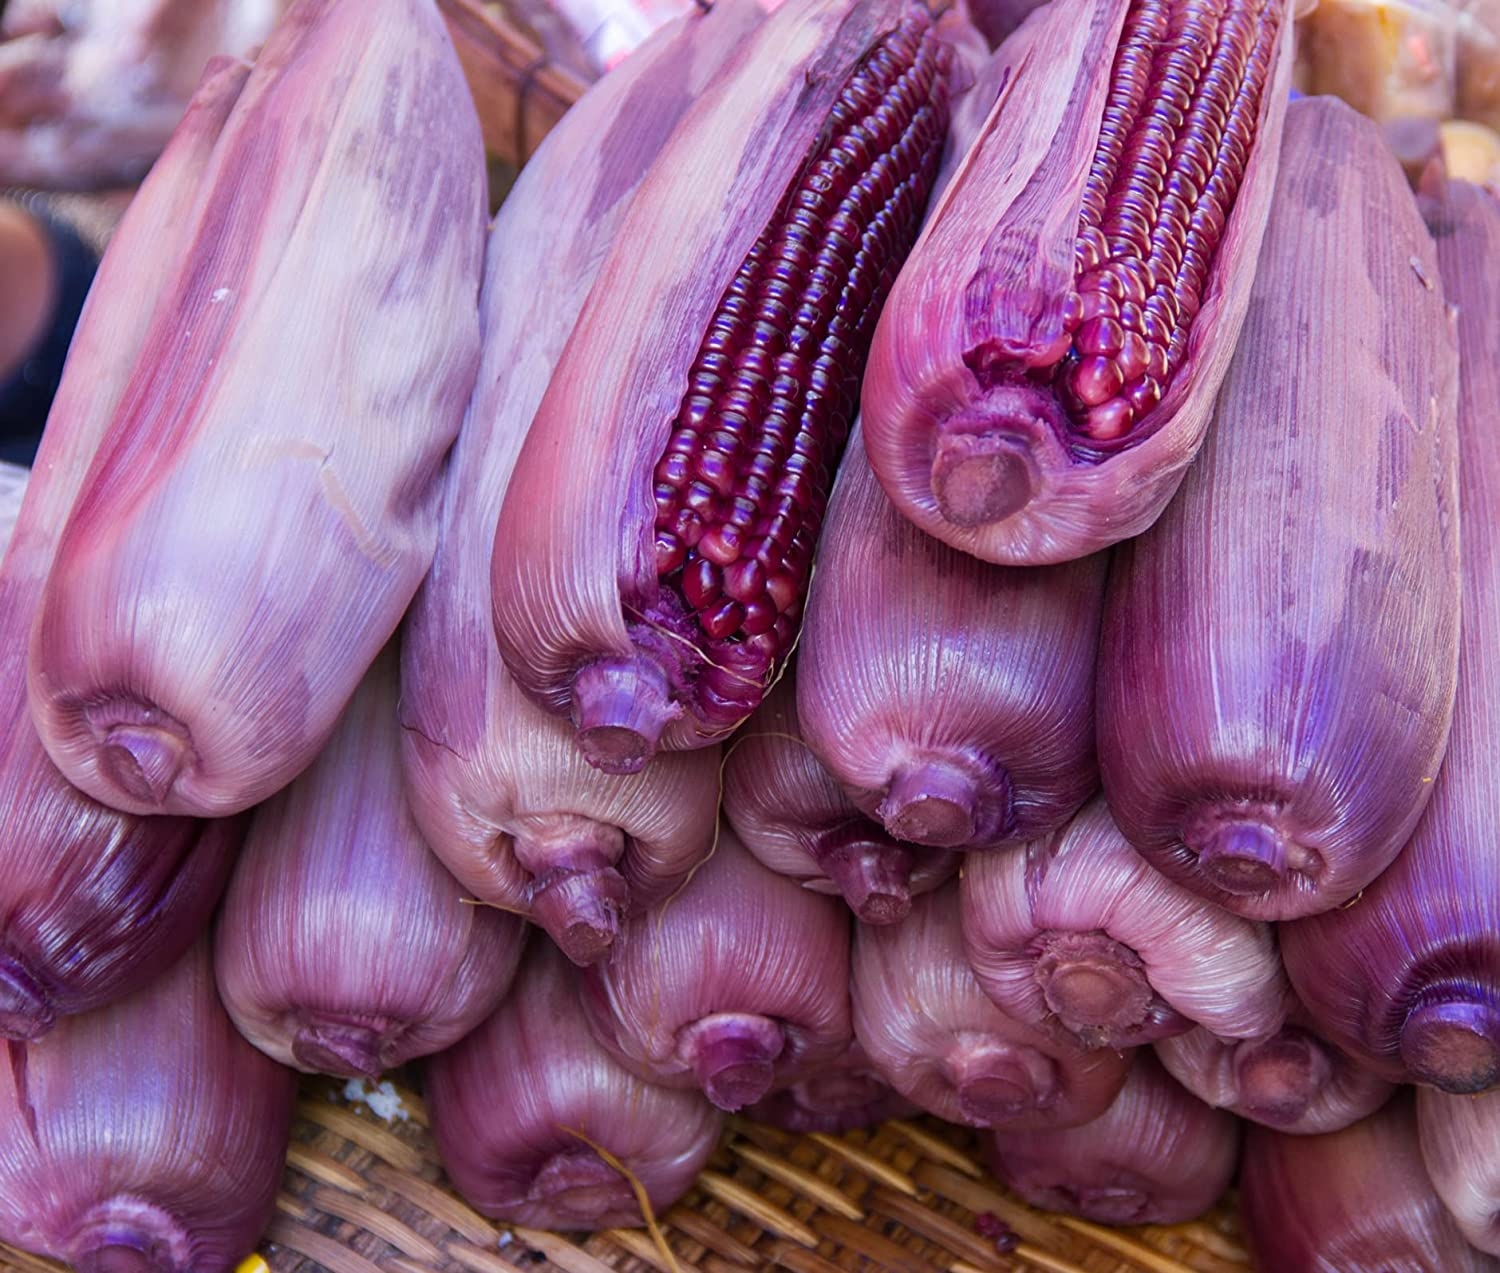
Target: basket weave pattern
x=362 y=1195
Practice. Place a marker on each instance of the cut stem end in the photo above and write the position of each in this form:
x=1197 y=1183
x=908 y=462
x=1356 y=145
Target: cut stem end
x=144 y=760
x=983 y=476
x=931 y=803
x=1280 y=1077
x=1095 y=986
x=581 y=912
x=342 y=1048
x=620 y=708
x=995 y=1085
x=577 y=1182
x=733 y=1056
x=124 y=1236
x=1242 y=858
x=25 y=1013
x=873 y=874
x=1453 y=1044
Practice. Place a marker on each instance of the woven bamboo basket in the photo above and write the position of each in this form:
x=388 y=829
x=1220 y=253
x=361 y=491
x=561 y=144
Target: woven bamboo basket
x=363 y=1194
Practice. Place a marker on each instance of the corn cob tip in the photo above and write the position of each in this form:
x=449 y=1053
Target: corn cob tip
x=1093 y=984
x=142 y=749
x=24 y=1011
x=874 y=877
x=983 y=470
x=1242 y=858
x=1451 y=1040
x=1279 y=1078
x=620 y=708
x=733 y=1055
x=932 y=802
x=126 y=1236
x=577 y=1182
x=581 y=910
x=994 y=1085
x=343 y=1048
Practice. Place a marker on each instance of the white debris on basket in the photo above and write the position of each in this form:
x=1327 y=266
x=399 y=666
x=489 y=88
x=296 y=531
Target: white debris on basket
x=382 y=1099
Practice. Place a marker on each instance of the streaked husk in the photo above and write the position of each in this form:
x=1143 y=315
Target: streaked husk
x=1279 y=657
x=923 y=1020
x=738 y=984
x=1158 y=1155
x=266 y=505
x=344 y=946
x=1077 y=933
x=96 y=903
x=146 y=1137
x=1407 y=978
x=507 y=1101
x=1458 y=1135
x=498 y=786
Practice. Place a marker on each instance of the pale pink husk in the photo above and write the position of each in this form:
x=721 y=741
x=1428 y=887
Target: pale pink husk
x=739 y=951
x=149 y=1125
x=1353 y=1201
x=1085 y=885
x=1458 y=1135
x=1158 y=1155
x=1018 y=196
x=95 y=903
x=266 y=505
x=506 y=1101
x=572 y=573
x=344 y=945
x=1291 y=1080
x=790 y=813
x=923 y=1020
x=1279 y=658
x=498 y=786
x=925 y=671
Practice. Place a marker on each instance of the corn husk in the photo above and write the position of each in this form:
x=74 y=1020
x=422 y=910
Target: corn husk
x=582 y=618
x=1006 y=225
x=96 y=903
x=12 y=491
x=930 y=1030
x=144 y=1136
x=344 y=946
x=1289 y=1079
x=1158 y=1155
x=521 y=1108
x=1457 y=1135
x=738 y=985
x=1277 y=670
x=1076 y=933
x=1407 y=978
x=795 y=819
x=1353 y=1201
x=952 y=699
x=500 y=790
x=842 y=1095
x=266 y=505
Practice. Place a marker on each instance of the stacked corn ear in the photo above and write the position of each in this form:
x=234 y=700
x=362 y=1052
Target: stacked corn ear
x=146 y=1137
x=689 y=435
x=265 y=503
x=1407 y=978
x=1269 y=736
x=790 y=813
x=97 y=903
x=1046 y=367
x=497 y=785
x=344 y=946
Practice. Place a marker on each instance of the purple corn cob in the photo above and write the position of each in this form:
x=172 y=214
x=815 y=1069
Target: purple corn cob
x=953 y=700
x=344 y=946
x=1078 y=934
x=792 y=815
x=710 y=384
x=927 y=1026
x=1407 y=977
x=265 y=505
x=1353 y=1201
x=738 y=985
x=1158 y=1155
x=1270 y=728
x=498 y=786
x=507 y=1101
x=843 y=1094
x=95 y=904
x=146 y=1137
x=1290 y=1079
x=1045 y=370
